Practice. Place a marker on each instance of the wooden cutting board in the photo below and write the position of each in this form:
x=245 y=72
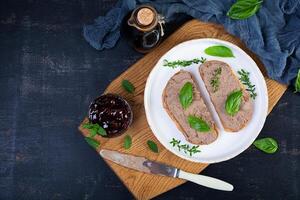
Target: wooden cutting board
x=145 y=186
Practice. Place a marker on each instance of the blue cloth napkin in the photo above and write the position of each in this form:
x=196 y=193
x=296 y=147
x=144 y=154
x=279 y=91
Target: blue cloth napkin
x=273 y=33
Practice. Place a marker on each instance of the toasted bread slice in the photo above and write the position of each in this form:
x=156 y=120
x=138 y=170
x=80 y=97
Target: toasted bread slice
x=198 y=108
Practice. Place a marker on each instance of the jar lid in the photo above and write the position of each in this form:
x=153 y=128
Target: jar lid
x=145 y=16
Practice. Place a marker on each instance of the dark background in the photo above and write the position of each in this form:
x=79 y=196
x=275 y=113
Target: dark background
x=49 y=75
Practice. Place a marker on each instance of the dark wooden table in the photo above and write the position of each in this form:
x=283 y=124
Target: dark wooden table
x=48 y=76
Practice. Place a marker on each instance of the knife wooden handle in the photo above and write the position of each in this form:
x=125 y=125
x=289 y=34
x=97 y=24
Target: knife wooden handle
x=205 y=181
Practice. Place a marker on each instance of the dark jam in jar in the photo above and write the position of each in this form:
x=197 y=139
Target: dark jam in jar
x=111 y=112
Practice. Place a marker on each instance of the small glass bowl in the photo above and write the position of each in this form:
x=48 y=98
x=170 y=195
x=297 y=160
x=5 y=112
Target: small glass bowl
x=112 y=112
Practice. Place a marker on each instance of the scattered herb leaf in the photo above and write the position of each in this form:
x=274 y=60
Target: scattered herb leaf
x=202 y=60
x=153 y=146
x=101 y=131
x=297 y=83
x=233 y=102
x=128 y=86
x=198 y=124
x=185 y=147
x=94 y=129
x=244 y=77
x=215 y=81
x=186 y=95
x=219 y=50
x=243 y=9
x=93 y=143
x=93 y=132
x=87 y=125
x=127 y=142
x=267 y=145
x=183 y=63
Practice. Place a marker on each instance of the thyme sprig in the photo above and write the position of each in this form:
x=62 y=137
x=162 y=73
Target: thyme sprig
x=185 y=147
x=183 y=63
x=215 y=81
x=244 y=77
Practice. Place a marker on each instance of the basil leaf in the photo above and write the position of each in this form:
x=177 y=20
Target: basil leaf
x=186 y=95
x=128 y=86
x=95 y=129
x=267 y=145
x=152 y=146
x=93 y=143
x=297 y=83
x=93 y=132
x=87 y=125
x=243 y=9
x=198 y=124
x=101 y=131
x=233 y=102
x=219 y=50
x=96 y=126
x=127 y=142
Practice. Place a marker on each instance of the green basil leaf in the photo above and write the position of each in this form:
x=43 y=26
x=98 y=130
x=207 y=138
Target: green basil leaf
x=93 y=132
x=267 y=145
x=128 y=86
x=233 y=102
x=243 y=9
x=219 y=50
x=152 y=146
x=101 y=131
x=297 y=83
x=93 y=143
x=186 y=95
x=87 y=125
x=127 y=142
x=198 y=124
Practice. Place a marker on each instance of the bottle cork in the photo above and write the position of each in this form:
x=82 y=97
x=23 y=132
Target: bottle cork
x=145 y=16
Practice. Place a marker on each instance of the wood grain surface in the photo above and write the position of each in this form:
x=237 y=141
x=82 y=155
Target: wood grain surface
x=145 y=186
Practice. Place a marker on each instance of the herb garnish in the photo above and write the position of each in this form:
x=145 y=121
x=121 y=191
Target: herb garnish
x=244 y=9
x=153 y=146
x=185 y=147
x=233 y=102
x=94 y=129
x=244 y=77
x=128 y=86
x=186 y=95
x=93 y=143
x=219 y=50
x=198 y=124
x=267 y=145
x=215 y=81
x=127 y=142
x=297 y=83
x=183 y=63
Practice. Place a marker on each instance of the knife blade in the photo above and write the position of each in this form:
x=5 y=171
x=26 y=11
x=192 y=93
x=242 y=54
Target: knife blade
x=152 y=167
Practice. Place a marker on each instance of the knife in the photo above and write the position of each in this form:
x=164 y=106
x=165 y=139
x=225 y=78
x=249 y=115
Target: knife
x=144 y=165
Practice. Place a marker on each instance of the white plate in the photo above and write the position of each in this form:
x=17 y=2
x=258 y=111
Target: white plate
x=227 y=145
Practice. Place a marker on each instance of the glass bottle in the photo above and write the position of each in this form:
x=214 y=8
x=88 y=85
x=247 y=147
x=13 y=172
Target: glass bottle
x=143 y=28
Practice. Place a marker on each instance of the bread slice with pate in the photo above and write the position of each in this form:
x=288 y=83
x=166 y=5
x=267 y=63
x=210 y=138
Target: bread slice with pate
x=227 y=83
x=197 y=108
